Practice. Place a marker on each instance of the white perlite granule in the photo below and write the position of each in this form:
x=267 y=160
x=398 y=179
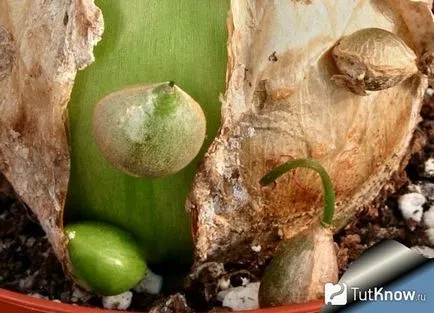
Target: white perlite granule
x=118 y=302
x=430 y=234
x=425 y=251
x=152 y=284
x=428 y=217
x=37 y=296
x=410 y=205
x=79 y=295
x=240 y=298
x=224 y=283
x=429 y=167
x=256 y=248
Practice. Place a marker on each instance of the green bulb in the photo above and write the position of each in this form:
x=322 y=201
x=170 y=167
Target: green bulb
x=106 y=260
x=149 y=130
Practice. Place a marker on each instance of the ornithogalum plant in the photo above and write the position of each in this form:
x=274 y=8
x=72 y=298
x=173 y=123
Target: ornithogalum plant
x=281 y=89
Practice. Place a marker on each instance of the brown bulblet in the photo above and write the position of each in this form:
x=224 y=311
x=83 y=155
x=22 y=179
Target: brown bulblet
x=372 y=59
x=300 y=268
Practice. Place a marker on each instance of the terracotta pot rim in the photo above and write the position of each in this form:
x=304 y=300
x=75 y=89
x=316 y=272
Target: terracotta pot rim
x=15 y=302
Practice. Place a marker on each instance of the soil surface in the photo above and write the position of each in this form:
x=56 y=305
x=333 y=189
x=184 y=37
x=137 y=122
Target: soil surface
x=28 y=264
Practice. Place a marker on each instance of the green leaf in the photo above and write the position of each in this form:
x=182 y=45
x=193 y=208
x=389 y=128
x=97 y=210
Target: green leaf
x=146 y=42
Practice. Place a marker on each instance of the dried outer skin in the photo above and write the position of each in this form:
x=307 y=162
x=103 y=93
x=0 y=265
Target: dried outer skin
x=376 y=57
x=300 y=268
x=42 y=45
x=426 y=64
x=417 y=16
x=280 y=105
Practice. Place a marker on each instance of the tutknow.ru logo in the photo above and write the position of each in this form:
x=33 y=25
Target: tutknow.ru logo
x=337 y=294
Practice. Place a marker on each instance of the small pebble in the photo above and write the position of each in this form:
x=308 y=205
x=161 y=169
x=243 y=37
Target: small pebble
x=244 y=281
x=30 y=242
x=118 y=302
x=224 y=283
x=410 y=205
x=429 y=167
x=79 y=295
x=65 y=296
x=427 y=189
x=428 y=217
x=415 y=188
x=152 y=284
x=240 y=298
x=256 y=248
x=425 y=251
x=38 y=296
x=430 y=234
x=27 y=282
x=173 y=304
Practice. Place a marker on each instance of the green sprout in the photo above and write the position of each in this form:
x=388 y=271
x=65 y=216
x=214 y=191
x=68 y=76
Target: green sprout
x=329 y=194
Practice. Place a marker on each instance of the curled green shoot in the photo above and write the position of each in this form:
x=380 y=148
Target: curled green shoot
x=329 y=193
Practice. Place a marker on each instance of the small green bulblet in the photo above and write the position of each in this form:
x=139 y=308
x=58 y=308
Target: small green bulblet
x=105 y=259
x=149 y=131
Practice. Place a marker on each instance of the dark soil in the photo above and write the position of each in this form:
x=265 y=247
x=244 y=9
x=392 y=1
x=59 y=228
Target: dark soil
x=28 y=265
x=27 y=262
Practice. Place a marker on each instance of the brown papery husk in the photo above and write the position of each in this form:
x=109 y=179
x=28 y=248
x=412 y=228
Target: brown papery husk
x=42 y=45
x=300 y=268
x=280 y=104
